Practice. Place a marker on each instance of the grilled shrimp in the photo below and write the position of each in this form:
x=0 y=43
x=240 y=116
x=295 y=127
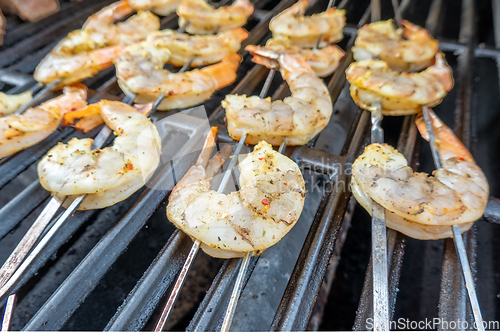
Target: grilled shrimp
x=267 y=206
x=140 y=70
x=297 y=118
x=373 y=82
x=11 y=103
x=305 y=31
x=159 y=7
x=198 y=17
x=85 y=52
x=207 y=49
x=323 y=61
x=18 y=132
x=107 y=175
x=417 y=204
x=382 y=40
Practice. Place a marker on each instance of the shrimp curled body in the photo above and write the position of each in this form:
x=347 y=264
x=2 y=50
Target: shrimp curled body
x=200 y=18
x=267 y=206
x=383 y=41
x=205 y=49
x=140 y=70
x=21 y=131
x=373 y=82
x=305 y=31
x=297 y=118
x=106 y=175
x=419 y=205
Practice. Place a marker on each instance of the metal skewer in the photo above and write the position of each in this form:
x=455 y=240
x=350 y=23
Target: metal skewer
x=379 y=244
x=7 y=315
x=196 y=245
x=39 y=96
x=238 y=286
x=457 y=235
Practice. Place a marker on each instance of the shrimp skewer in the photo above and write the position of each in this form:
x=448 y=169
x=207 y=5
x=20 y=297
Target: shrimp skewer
x=9 y=279
x=140 y=71
x=85 y=52
x=197 y=243
x=201 y=50
x=373 y=83
x=383 y=41
x=107 y=175
x=198 y=17
x=306 y=31
x=456 y=194
x=297 y=118
x=18 y=132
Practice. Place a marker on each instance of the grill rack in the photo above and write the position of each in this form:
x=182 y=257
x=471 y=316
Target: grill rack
x=313 y=260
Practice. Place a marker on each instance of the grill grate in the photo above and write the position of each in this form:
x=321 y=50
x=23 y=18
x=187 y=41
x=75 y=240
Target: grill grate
x=101 y=238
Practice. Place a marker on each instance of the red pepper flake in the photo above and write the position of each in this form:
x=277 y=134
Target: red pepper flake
x=266 y=202
x=262 y=158
x=128 y=166
x=461 y=159
x=88 y=175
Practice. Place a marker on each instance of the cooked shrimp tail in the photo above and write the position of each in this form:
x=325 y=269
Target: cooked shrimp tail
x=446 y=140
x=109 y=15
x=224 y=72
